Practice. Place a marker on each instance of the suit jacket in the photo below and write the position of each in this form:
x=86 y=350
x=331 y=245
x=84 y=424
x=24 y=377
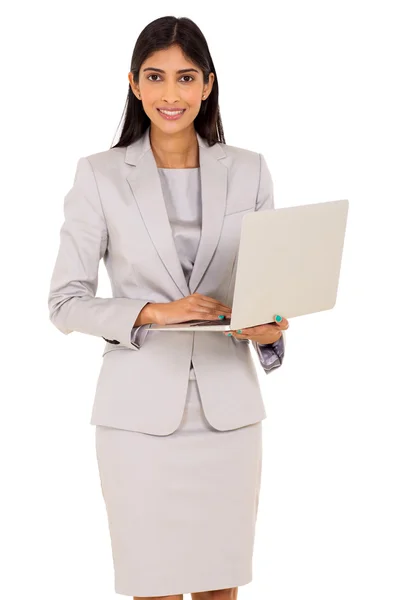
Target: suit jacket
x=115 y=211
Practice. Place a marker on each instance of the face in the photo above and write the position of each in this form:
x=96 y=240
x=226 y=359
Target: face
x=162 y=86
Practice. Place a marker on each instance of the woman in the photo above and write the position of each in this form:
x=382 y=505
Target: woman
x=177 y=414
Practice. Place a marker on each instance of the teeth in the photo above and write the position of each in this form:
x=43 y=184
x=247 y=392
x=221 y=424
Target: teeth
x=171 y=112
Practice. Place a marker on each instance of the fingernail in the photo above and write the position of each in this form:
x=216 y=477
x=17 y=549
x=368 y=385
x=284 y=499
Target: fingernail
x=278 y=318
x=229 y=334
x=221 y=317
x=239 y=331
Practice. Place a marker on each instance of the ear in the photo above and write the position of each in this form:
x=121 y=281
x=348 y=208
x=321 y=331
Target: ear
x=208 y=87
x=133 y=85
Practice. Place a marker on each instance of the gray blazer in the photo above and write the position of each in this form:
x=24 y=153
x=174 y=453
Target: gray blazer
x=115 y=210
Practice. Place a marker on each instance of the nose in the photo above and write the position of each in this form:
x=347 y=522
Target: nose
x=170 y=94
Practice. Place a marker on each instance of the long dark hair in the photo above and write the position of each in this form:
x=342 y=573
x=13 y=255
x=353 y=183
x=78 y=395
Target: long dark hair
x=160 y=35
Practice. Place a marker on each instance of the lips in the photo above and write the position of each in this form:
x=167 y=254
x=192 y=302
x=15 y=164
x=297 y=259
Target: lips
x=169 y=117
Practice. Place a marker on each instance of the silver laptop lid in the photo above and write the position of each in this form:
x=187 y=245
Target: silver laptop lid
x=289 y=262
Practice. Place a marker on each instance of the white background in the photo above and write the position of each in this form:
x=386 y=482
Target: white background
x=314 y=87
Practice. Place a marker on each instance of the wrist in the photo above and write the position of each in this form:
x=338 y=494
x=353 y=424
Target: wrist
x=146 y=315
x=269 y=343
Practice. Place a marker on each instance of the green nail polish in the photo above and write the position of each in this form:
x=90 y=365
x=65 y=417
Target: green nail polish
x=221 y=317
x=239 y=331
x=278 y=318
x=229 y=334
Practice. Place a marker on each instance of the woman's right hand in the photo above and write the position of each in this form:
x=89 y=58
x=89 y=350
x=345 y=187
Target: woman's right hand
x=193 y=307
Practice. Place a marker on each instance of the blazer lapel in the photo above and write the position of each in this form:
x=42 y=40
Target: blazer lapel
x=146 y=187
x=214 y=188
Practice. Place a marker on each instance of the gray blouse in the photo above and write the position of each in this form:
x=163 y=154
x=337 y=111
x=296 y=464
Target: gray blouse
x=182 y=195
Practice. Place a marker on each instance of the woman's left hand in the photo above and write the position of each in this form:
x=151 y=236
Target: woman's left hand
x=267 y=333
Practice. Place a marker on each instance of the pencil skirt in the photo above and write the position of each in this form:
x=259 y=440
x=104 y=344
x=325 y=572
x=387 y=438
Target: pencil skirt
x=181 y=508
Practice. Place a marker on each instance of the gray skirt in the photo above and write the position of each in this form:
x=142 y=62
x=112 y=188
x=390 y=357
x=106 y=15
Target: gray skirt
x=181 y=508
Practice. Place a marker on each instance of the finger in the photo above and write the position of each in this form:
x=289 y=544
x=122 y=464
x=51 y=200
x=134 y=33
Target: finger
x=257 y=338
x=208 y=299
x=247 y=332
x=209 y=311
x=217 y=308
x=235 y=333
x=257 y=329
x=238 y=336
x=262 y=329
x=281 y=322
x=224 y=308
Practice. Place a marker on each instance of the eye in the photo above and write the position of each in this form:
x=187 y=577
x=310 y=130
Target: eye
x=157 y=75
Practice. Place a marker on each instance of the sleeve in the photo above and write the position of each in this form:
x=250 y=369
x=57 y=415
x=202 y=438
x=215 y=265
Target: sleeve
x=270 y=355
x=72 y=301
x=138 y=335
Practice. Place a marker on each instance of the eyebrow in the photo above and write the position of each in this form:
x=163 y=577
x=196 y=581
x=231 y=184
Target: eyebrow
x=161 y=71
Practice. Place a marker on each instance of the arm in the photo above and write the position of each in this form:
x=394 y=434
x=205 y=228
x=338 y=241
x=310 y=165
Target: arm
x=270 y=355
x=83 y=242
x=140 y=328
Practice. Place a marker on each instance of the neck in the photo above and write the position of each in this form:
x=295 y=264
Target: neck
x=175 y=151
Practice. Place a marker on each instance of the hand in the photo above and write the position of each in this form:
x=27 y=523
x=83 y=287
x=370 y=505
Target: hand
x=193 y=307
x=267 y=333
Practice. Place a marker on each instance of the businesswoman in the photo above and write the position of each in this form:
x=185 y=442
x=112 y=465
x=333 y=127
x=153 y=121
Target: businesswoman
x=178 y=414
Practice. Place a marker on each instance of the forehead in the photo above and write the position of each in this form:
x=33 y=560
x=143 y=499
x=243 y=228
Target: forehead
x=170 y=58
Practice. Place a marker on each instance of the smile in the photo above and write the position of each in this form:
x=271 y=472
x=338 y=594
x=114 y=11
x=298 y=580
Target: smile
x=171 y=115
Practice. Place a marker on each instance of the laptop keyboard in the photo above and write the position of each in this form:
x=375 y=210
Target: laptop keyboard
x=202 y=322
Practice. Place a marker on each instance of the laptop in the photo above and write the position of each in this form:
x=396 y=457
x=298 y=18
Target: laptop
x=288 y=263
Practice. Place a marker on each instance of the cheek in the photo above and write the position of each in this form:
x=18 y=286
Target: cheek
x=149 y=98
x=149 y=92
x=192 y=97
